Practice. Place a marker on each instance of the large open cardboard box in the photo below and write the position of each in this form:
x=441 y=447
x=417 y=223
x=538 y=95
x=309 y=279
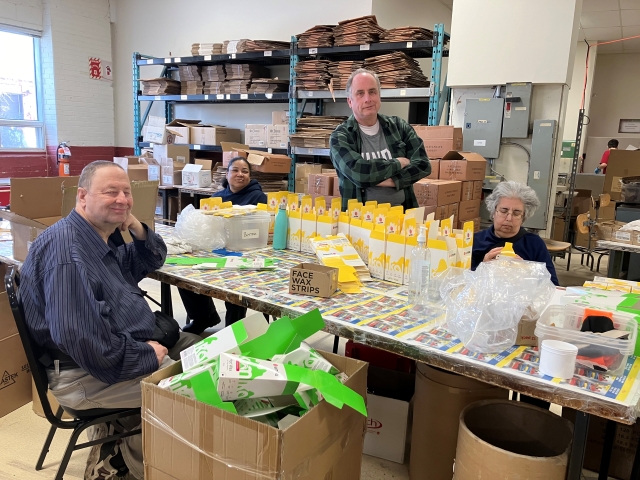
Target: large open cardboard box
x=189 y=440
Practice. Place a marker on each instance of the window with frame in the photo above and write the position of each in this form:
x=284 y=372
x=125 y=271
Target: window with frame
x=21 y=120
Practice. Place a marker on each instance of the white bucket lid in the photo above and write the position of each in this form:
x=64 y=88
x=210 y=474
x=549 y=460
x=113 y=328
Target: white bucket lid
x=559 y=348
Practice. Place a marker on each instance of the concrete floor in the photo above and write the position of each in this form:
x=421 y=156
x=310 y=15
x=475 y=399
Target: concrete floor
x=22 y=433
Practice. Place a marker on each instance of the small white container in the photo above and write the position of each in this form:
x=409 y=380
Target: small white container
x=558 y=359
x=247 y=232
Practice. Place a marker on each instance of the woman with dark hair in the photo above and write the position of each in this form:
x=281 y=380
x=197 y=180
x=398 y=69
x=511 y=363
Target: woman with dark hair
x=239 y=189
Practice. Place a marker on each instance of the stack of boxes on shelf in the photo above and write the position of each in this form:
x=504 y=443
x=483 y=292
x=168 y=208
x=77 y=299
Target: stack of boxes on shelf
x=454 y=188
x=273 y=135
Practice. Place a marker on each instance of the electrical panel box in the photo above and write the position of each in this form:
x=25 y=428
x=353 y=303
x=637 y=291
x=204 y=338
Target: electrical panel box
x=543 y=145
x=517 y=110
x=483 y=126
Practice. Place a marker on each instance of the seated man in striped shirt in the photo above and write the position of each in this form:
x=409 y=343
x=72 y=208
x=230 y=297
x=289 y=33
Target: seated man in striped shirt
x=82 y=303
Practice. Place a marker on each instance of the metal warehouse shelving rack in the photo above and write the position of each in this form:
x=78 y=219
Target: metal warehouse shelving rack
x=435 y=95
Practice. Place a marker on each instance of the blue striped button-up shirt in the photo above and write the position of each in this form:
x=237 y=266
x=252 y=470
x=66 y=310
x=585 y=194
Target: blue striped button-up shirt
x=81 y=296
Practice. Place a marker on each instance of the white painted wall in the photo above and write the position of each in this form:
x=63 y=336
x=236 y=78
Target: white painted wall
x=22 y=15
x=163 y=28
x=615 y=95
x=502 y=41
x=82 y=107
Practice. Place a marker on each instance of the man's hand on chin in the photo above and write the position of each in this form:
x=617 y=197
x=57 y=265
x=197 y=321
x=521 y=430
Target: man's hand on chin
x=135 y=227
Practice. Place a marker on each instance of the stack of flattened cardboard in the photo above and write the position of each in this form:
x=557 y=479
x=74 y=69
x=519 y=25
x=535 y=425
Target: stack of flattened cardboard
x=340 y=72
x=268 y=85
x=397 y=70
x=191 y=88
x=314 y=131
x=406 y=34
x=214 y=88
x=245 y=71
x=313 y=75
x=231 y=46
x=263 y=45
x=160 y=86
x=206 y=49
x=214 y=79
x=357 y=31
x=318 y=36
x=189 y=73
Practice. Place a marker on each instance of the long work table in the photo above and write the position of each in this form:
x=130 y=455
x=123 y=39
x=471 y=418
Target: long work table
x=379 y=317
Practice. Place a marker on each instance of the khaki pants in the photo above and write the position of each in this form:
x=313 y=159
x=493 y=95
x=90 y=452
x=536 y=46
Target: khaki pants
x=76 y=389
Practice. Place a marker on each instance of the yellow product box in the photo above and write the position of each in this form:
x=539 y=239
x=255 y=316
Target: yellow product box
x=283 y=197
x=355 y=210
x=324 y=225
x=599 y=286
x=377 y=244
x=294 y=230
x=446 y=227
x=619 y=288
x=336 y=205
x=320 y=206
x=397 y=210
x=464 y=241
x=344 y=225
x=392 y=224
x=411 y=243
x=356 y=232
x=367 y=228
x=367 y=213
x=212 y=203
x=410 y=228
x=306 y=204
x=394 y=262
x=293 y=202
x=379 y=216
x=272 y=202
x=371 y=203
x=309 y=222
x=384 y=205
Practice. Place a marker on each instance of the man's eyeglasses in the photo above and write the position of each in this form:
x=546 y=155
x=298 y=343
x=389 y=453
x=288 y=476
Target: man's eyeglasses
x=505 y=212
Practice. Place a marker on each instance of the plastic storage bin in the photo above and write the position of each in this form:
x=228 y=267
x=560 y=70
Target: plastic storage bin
x=564 y=322
x=247 y=232
x=630 y=191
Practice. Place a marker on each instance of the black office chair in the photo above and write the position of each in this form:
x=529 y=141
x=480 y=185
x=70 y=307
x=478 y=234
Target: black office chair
x=82 y=419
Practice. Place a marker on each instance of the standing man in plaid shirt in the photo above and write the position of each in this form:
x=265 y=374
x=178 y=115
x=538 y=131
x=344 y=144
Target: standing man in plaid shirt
x=377 y=157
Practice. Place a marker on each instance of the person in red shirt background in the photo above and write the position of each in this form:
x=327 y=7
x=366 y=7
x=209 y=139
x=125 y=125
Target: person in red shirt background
x=612 y=145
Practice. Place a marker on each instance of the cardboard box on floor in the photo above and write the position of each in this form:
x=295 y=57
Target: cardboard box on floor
x=622 y=163
x=462 y=166
x=194 y=441
x=15 y=379
x=30 y=215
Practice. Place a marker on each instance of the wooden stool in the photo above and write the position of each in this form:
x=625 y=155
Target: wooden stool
x=557 y=249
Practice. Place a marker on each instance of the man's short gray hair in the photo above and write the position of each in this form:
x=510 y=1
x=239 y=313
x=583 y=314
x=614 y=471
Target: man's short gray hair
x=89 y=171
x=358 y=72
x=512 y=189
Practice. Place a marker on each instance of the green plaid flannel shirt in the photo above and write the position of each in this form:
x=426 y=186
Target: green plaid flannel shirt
x=357 y=174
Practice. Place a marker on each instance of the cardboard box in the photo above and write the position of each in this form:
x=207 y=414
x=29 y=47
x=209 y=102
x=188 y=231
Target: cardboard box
x=453 y=211
x=321 y=184
x=462 y=166
x=439 y=398
x=15 y=379
x=280 y=117
x=172 y=174
x=581 y=202
x=30 y=215
x=336 y=187
x=438 y=141
x=467 y=191
x=213 y=135
x=178 y=153
x=469 y=210
x=255 y=134
x=622 y=163
x=232 y=150
x=182 y=128
x=197 y=174
x=435 y=169
x=437 y=192
x=155 y=131
x=277 y=136
x=313 y=279
x=268 y=162
x=303 y=170
x=477 y=190
x=606 y=230
x=302 y=186
x=216 y=444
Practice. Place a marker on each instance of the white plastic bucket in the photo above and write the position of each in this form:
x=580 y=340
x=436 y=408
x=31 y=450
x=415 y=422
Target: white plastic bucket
x=558 y=359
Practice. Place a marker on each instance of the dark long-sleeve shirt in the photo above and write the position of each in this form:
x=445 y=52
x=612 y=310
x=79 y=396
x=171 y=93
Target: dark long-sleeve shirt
x=357 y=174
x=81 y=297
x=528 y=246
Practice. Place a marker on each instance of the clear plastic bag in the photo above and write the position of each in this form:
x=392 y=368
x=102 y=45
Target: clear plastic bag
x=484 y=307
x=203 y=232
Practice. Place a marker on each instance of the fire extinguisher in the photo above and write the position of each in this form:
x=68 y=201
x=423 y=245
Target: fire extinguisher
x=64 y=154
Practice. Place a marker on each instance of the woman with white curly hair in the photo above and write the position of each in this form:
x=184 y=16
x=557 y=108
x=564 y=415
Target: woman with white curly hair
x=510 y=204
